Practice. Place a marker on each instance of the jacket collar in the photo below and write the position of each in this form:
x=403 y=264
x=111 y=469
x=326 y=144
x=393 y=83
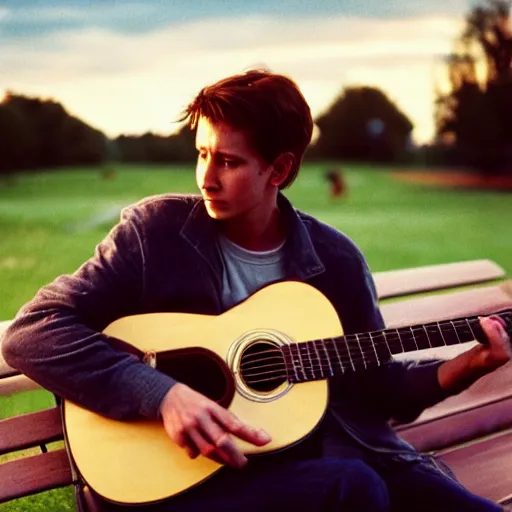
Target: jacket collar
x=200 y=231
x=303 y=260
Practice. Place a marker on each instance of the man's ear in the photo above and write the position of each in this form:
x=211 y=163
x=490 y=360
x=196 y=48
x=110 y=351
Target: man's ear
x=281 y=168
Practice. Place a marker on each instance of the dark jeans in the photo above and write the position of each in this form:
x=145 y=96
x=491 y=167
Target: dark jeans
x=329 y=484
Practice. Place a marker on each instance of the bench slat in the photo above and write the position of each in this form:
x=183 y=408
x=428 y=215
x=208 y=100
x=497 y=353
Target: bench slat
x=30 y=475
x=478 y=301
x=6 y=371
x=484 y=466
x=422 y=310
x=30 y=430
x=460 y=427
x=17 y=384
x=396 y=283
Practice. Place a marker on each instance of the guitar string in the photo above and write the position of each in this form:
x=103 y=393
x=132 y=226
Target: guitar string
x=318 y=371
x=390 y=340
x=342 y=356
x=283 y=374
x=319 y=363
x=394 y=335
x=390 y=336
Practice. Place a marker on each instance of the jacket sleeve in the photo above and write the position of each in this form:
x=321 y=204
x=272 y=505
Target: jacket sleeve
x=56 y=338
x=397 y=389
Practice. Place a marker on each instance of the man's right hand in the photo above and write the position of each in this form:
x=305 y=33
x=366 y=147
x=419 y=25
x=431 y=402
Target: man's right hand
x=201 y=426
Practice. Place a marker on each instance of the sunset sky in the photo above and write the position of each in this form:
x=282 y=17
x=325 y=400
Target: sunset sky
x=131 y=67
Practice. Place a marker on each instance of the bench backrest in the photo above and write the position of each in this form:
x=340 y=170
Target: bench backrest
x=40 y=471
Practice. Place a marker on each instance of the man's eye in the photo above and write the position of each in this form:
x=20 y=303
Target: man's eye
x=229 y=163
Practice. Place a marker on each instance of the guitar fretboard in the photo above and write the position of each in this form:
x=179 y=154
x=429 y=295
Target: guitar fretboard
x=323 y=358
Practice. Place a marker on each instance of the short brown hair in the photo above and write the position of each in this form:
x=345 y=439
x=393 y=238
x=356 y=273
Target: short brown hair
x=270 y=108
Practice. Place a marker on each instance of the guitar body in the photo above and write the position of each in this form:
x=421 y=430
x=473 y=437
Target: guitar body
x=135 y=462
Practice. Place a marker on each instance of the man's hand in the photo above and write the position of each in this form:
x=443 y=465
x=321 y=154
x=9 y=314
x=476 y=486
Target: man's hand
x=495 y=353
x=459 y=373
x=201 y=426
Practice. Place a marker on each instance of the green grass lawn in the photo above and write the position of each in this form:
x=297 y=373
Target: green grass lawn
x=50 y=223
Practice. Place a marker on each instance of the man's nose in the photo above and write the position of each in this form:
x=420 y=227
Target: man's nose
x=209 y=175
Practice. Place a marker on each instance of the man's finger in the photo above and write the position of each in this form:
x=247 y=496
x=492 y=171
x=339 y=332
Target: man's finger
x=202 y=445
x=232 y=424
x=227 y=447
x=222 y=443
x=191 y=449
x=184 y=441
x=499 y=340
x=494 y=328
x=210 y=450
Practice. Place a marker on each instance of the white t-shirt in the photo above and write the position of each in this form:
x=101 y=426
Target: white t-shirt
x=246 y=271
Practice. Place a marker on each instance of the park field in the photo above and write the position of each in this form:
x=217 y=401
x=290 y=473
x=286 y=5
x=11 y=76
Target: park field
x=50 y=223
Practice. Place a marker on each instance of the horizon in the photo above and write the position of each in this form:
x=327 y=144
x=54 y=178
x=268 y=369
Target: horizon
x=127 y=68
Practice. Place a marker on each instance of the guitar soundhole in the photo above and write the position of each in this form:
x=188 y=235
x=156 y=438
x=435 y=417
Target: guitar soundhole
x=198 y=368
x=262 y=366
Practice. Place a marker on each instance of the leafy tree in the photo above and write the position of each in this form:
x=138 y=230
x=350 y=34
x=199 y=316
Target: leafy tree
x=18 y=141
x=40 y=134
x=473 y=118
x=150 y=147
x=362 y=124
x=488 y=30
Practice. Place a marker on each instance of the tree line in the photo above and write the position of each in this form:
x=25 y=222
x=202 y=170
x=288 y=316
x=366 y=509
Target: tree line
x=362 y=124
x=41 y=134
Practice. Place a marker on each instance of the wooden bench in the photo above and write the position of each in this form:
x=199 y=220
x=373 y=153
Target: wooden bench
x=480 y=456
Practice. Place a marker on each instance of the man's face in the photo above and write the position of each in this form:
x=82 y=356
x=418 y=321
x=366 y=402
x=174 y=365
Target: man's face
x=233 y=178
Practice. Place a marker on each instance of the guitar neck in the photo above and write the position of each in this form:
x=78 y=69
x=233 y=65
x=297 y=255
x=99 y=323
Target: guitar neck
x=323 y=358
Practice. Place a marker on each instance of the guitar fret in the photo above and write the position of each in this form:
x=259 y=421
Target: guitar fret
x=414 y=338
x=331 y=371
x=471 y=329
x=347 y=344
x=361 y=349
x=456 y=333
x=338 y=355
x=299 y=365
x=319 y=361
x=441 y=332
x=374 y=349
x=310 y=360
x=400 y=339
x=386 y=342
x=428 y=337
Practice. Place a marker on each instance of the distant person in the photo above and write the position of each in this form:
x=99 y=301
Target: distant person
x=108 y=173
x=204 y=254
x=337 y=186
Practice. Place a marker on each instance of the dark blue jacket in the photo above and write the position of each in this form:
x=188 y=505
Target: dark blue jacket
x=162 y=256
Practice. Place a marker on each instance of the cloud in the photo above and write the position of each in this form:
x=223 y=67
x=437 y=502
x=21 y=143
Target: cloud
x=26 y=20
x=138 y=82
x=131 y=16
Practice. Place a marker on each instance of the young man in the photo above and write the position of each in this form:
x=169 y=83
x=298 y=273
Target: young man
x=206 y=254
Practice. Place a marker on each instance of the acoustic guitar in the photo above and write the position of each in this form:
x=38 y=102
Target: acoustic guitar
x=267 y=360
